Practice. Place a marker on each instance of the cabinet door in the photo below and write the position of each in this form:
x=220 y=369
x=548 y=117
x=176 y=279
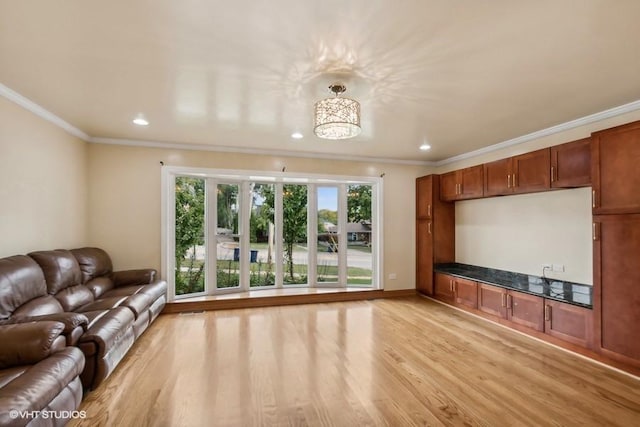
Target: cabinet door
x=568 y=322
x=424 y=257
x=497 y=178
x=492 y=300
x=424 y=197
x=531 y=171
x=526 y=310
x=571 y=164
x=616 y=178
x=470 y=185
x=617 y=285
x=466 y=292
x=443 y=288
x=449 y=186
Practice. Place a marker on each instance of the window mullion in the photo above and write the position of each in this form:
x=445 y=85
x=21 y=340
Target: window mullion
x=211 y=240
x=312 y=235
x=278 y=237
x=342 y=235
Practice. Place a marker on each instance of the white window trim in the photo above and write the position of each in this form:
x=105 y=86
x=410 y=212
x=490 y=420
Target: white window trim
x=169 y=173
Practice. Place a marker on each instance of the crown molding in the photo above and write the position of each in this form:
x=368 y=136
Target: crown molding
x=254 y=151
x=592 y=118
x=29 y=105
x=50 y=117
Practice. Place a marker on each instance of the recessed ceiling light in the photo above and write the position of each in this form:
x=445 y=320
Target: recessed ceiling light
x=425 y=147
x=140 y=121
x=297 y=135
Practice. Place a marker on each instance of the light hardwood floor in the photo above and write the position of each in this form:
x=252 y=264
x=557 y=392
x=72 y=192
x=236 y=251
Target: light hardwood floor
x=395 y=362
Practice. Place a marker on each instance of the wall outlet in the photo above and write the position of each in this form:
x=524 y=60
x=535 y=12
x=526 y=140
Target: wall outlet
x=392 y=276
x=558 y=268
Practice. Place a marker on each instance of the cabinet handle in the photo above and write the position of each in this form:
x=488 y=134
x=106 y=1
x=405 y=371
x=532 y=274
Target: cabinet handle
x=593 y=198
x=547 y=313
x=515 y=181
x=504 y=300
x=509 y=306
x=509 y=181
x=595 y=235
x=429 y=227
x=451 y=286
x=428 y=210
x=553 y=174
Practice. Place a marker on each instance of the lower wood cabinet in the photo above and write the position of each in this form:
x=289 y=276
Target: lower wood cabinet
x=569 y=323
x=457 y=291
x=517 y=307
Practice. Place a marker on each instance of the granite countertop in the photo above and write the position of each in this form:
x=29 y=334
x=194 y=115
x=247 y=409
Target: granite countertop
x=553 y=289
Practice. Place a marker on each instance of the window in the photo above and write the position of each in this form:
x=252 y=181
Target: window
x=227 y=231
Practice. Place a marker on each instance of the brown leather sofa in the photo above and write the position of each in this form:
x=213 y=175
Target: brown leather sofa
x=38 y=372
x=102 y=311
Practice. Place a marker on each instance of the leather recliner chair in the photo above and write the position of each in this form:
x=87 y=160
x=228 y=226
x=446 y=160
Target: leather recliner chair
x=38 y=372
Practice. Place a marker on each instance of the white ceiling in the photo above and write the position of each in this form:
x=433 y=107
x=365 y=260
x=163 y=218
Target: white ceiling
x=459 y=74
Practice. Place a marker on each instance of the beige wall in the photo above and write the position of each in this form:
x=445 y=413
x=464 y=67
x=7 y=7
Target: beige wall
x=43 y=184
x=520 y=233
x=124 y=214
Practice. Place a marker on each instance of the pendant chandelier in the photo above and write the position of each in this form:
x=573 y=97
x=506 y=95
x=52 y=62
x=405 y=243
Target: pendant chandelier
x=337 y=118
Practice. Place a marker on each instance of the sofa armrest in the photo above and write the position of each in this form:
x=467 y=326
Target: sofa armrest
x=69 y=319
x=133 y=277
x=29 y=343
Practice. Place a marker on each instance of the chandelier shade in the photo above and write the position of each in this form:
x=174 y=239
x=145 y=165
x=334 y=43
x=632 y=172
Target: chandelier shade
x=337 y=118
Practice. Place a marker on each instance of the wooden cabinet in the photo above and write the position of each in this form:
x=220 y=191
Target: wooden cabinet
x=443 y=288
x=525 y=173
x=526 y=310
x=568 y=322
x=456 y=290
x=615 y=157
x=462 y=184
x=571 y=164
x=517 y=307
x=435 y=231
x=424 y=197
x=616 y=270
x=465 y=293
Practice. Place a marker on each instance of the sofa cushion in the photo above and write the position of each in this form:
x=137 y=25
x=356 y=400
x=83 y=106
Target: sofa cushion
x=61 y=269
x=10 y=374
x=39 y=307
x=74 y=296
x=94 y=262
x=124 y=291
x=101 y=304
x=99 y=285
x=21 y=280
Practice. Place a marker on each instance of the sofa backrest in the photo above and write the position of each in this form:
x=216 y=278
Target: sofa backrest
x=63 y=277
x=21 y=280
x=94 y=262
x=96 y=268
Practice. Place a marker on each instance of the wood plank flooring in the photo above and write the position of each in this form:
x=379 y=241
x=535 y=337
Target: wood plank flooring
x=390 y=362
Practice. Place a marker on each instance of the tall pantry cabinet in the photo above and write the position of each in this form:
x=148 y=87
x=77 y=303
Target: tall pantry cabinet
x=616 y=241
x=435 y=231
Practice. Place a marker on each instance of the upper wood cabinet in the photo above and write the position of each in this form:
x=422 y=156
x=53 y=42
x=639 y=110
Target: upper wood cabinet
x=571 y=164
x=525 y=173
x=461 y=184
x=435 y=231
x=424 y=197
x=615 y=156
